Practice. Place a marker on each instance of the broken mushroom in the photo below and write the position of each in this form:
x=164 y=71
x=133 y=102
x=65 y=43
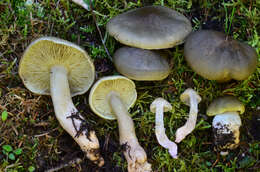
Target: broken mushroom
x=226 y=122
x=52 y=66
x=150 y=27
x=158 y=106
x=142 y=65
x=216 y=56
x=192 y=99
x=110 y=98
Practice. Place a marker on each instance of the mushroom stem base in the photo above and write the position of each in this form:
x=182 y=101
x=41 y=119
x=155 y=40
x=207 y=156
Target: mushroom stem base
x=69 y=117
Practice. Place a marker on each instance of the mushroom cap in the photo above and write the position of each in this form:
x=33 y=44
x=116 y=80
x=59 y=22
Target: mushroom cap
x=140 y=64
x=185 y=96
x=150 y=27
x=160 y=101
x=98 y=97
x=225 y=104
x=44 y=53
x=215 y=56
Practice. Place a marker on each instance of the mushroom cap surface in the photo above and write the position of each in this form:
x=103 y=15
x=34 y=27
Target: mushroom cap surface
x=150 y=27
x=185 y=96
x=225 y=104
x=215 y=56
x=44 y=53
x=160 y=102
x=140 y=64
x=98 y=97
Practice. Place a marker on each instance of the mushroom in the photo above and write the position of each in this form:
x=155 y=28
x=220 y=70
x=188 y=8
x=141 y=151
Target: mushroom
x=226 y=122
x=158 y=106
x=109 y=98
x=139 y=64
x=192 y=99
x=215 y=56
x=83 y=4
x=52 y=66
x=150 y=27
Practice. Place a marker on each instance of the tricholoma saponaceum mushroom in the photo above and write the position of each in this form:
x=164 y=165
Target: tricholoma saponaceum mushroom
x=52 y=66
x=150 y=27
x=216 y=56
x=110 y=98
x=142 y=65
x=192 y=99
x=158 y=106
x=226 y=122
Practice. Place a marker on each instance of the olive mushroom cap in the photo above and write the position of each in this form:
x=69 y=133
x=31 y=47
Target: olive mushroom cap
x=46 y=52
x=150 y=27
x=98 y=97
x=140 y=64
x=215 y=56
x=225 y=104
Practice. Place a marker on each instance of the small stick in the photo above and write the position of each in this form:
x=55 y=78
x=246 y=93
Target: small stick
x=61 y=166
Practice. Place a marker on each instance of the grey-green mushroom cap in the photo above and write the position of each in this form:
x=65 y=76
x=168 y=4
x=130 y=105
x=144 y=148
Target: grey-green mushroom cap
x=151 y=27
x=215 y=56
x=44 y=53
x=225 y=104
x=140 y=64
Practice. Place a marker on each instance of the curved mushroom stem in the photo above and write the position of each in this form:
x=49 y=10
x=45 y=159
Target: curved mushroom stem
x=190 y=124
x=69 y=117
x=226 y=131
x=134 y=153
x=159 y=105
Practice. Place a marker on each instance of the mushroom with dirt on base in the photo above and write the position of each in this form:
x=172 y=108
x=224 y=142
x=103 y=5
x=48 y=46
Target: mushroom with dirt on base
x=158 y=106
x=110 y=98
x=52 y=66
x=192 y=99
x=226 y=122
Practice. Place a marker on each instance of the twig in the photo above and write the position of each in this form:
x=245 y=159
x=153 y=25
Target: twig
x=61 y=166
x=99 y=31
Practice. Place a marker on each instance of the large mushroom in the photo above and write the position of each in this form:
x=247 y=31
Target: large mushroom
x=110 y=98
x=226 y=122
x=142 y=65
x=52 y=66
x=150 y=27
x=192 y=99
x=216 y=56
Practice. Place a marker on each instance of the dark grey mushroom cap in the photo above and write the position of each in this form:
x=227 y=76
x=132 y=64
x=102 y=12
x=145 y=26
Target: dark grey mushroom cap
x=151 y=27
x=140 y=64
x=215 y=56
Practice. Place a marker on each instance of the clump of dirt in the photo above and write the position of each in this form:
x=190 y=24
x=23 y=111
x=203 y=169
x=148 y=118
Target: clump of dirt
x=222 y=140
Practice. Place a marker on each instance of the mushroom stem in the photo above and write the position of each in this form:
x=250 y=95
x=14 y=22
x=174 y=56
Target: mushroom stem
x=190 y=124
x=159 y=105
x=69 y=117
x=134 y=153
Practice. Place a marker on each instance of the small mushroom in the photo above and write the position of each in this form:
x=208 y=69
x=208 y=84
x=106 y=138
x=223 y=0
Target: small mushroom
x=52 y=66
x=216 y=56
x=192 y=99
x=110 y=98
x=226 y=122
x=150 y=27
x=142 y=65
x=158 y=106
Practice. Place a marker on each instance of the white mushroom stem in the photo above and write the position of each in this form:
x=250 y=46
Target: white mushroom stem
x=159 y=106
x=226 y=131
x=191 y=98
x=134 y=153
x=69 y=117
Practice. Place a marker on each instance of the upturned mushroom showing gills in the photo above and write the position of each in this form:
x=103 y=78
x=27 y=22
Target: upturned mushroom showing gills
x=142 y=65
x=150 y=27
x=110 y=98
x=215 y=56
x=192 y=99
x=226 y=122
x=52 y=66
x=158 y=106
